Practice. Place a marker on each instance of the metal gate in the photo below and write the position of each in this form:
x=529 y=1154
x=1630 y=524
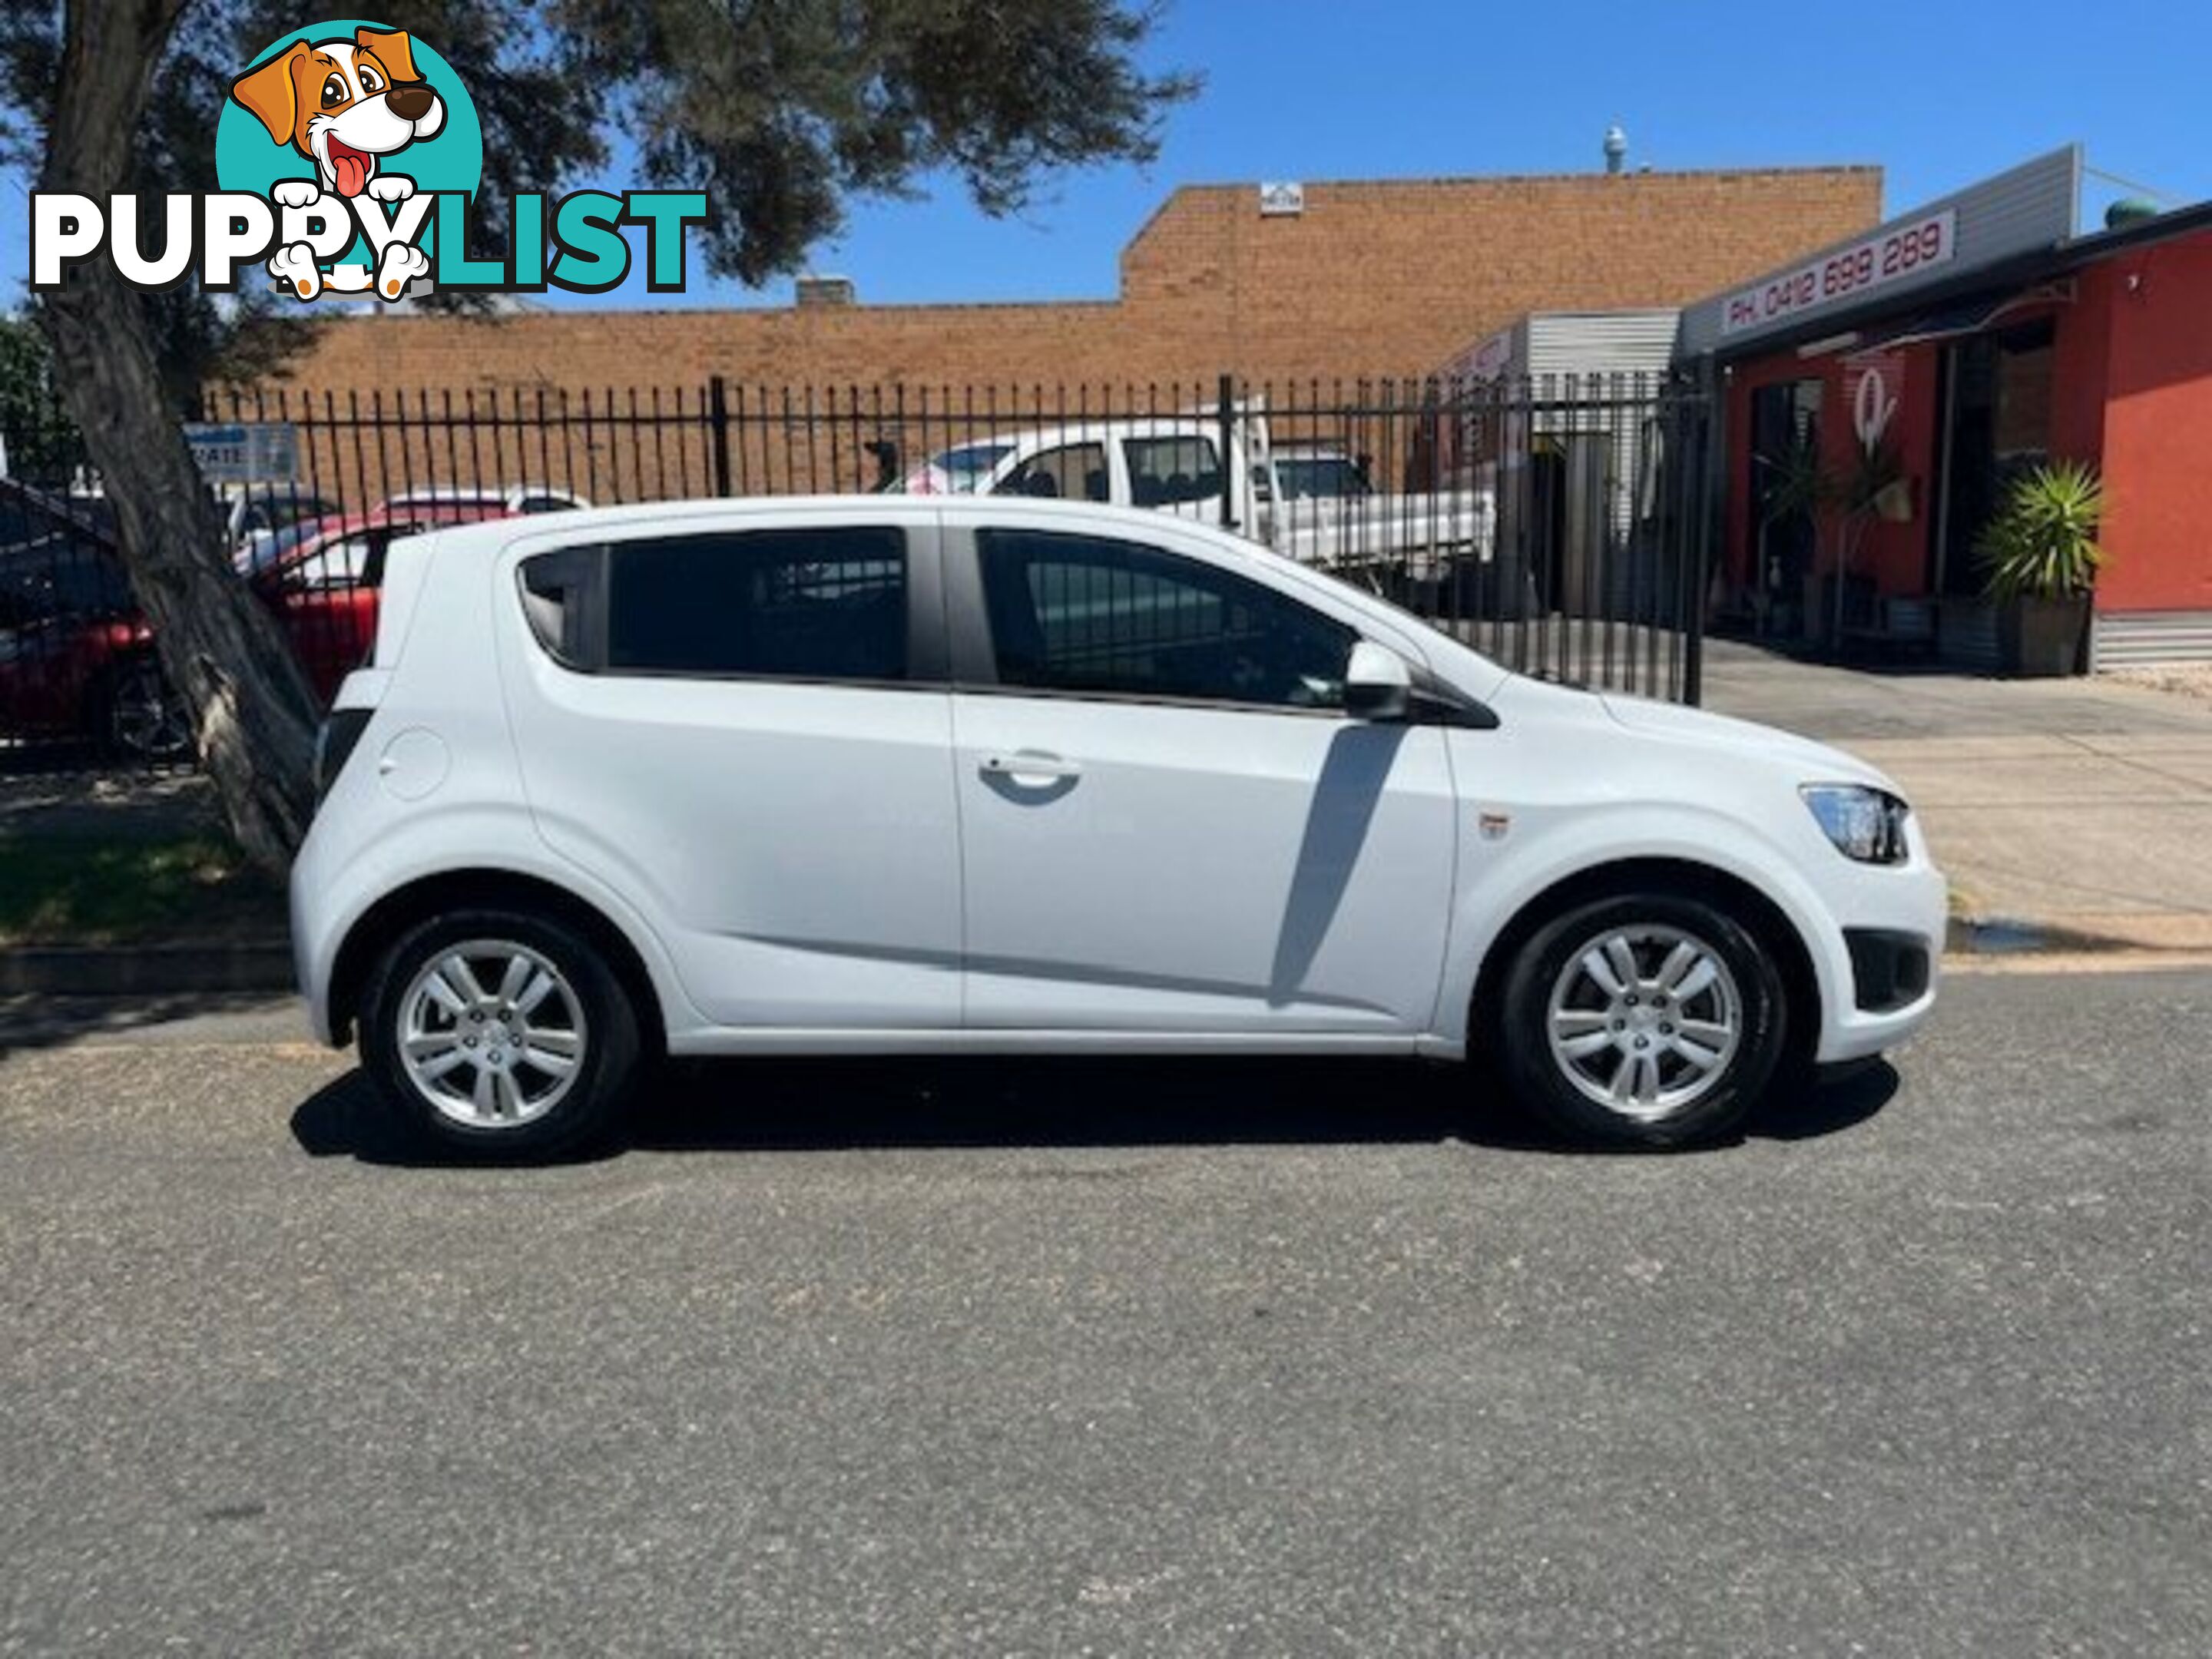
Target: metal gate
x=1560 y=525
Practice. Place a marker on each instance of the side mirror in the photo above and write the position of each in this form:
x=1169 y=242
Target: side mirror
x=1377 y=684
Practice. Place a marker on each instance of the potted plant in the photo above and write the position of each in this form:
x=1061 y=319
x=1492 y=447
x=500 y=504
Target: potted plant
x=1794 y=495
x=2041 y=556
x=1875 y=486
x=1845 y=500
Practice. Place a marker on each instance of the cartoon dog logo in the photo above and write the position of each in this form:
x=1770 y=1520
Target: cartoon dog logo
x=345 y=104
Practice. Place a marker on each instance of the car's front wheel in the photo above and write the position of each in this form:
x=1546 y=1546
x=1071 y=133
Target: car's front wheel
x=498 y=1033
x=1651 y=1020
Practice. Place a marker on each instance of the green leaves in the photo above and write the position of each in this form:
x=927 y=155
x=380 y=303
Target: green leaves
x=2043 y=542
x=783 y=110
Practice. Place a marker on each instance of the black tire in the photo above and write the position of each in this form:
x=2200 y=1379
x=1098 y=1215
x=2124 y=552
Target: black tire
x=588 y=1003
x=1716 y=1094
x=136 y=715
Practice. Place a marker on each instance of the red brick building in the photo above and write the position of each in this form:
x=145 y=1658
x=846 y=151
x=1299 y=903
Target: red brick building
x=1368 y=279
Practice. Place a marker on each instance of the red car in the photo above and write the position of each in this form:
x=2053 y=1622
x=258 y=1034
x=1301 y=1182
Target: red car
x=77 y=659
x=323 y=582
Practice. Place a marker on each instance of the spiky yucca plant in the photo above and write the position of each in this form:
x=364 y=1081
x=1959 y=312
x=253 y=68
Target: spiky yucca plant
x=2042 y=545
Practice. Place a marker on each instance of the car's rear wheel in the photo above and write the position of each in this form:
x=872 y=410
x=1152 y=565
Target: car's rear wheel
x=499 y=1033
x=1647 y=1020
x=141 y=716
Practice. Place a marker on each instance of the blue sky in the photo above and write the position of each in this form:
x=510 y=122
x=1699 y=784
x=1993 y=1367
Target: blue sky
x=1936 y=94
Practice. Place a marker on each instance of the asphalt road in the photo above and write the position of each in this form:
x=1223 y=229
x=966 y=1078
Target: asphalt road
x=1144 y=1359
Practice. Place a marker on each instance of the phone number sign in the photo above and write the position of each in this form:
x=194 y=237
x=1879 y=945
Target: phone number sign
x=1888 y=256
x=244 y=452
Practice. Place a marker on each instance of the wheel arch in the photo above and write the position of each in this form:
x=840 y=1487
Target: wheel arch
x=375 y=929
x=1751 y=905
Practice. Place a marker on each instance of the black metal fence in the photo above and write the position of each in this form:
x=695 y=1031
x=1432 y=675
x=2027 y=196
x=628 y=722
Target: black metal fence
x=1559 y=526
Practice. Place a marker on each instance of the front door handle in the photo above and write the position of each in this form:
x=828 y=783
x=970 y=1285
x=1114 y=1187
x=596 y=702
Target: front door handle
x=1030 y=766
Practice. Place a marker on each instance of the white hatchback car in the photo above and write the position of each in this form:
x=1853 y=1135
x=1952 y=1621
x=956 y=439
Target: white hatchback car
x=905 y=774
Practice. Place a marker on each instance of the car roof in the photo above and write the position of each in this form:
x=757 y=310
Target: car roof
x=861 y=508
x=1102 y=428
x=488 y=535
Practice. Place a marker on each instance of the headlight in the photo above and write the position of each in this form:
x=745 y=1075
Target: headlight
x=1867 y=825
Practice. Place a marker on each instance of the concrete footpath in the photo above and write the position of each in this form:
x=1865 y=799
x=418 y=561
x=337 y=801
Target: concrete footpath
x=2079 y=808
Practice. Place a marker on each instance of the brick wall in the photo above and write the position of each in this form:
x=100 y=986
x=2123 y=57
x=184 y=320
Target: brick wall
x=1374 y=278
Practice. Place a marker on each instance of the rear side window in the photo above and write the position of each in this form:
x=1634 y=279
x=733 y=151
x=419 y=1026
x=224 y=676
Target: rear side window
x=801 y=605
x=1072 y=472
x=1168 y=471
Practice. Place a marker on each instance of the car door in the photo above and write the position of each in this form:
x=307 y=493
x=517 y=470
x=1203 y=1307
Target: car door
x=1075 y=472
x=1177 y=472
x=1168 y=822
x=743 y=726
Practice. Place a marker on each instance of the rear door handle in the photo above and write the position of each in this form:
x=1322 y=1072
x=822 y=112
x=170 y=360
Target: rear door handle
x=1030 y=766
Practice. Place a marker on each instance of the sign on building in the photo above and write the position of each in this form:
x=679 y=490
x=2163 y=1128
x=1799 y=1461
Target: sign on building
x=1867 y=266
x=2027 y=209
x=1282 y=200
x=244 y=452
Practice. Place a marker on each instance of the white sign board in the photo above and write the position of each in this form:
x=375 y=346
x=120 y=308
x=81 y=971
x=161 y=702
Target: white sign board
x=1848 y=273
x=244 y=452
x=1282 y=200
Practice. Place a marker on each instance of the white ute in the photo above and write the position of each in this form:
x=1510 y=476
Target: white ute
x=913 y=774
x=1311 y=502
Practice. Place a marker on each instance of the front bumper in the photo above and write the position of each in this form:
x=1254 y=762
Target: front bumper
x=1884 y=960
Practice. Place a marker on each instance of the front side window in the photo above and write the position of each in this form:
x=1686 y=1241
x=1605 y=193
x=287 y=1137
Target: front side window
x=1088 y=614
x=1074 y=472
x=810 y=605
x=1168 y=471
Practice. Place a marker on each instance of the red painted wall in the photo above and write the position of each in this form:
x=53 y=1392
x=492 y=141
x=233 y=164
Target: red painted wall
x=2163 y=466
x=2157 y=428
x=1896 y=555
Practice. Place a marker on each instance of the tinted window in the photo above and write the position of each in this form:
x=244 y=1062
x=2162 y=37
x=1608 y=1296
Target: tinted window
x=801 y=604
x=1163 y=471
x=1072 y=472
x=58 y=577
x=1321 y=474
x=1079 y=613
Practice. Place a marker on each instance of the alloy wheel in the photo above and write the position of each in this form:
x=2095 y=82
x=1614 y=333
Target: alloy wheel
x=1644 y=1021
x=491 y=1034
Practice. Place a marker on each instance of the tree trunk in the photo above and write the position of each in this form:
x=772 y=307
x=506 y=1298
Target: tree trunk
x=253 y=719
